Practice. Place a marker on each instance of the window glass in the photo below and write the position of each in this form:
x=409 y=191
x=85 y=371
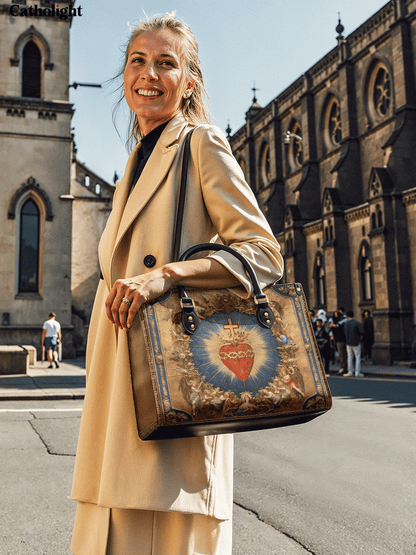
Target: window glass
x=295 y=152
x=29 y=247
x=31 y=70
x=266 y=172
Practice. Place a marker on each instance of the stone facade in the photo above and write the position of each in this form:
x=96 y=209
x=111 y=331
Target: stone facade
x=42 y=209
x=332 y=163
x=90 y=209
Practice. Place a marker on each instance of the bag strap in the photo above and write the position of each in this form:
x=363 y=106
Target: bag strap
x=181 y=197
x=190 y=319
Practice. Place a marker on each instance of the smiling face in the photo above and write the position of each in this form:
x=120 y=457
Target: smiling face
x=155 y=78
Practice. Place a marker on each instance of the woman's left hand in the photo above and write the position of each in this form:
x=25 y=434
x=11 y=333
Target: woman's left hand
x=138 y=290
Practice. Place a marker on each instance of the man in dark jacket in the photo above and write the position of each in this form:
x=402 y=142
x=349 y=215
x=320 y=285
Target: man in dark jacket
x=353 y=333
x=337 y=329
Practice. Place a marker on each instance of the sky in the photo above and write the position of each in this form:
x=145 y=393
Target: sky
x=241 y=42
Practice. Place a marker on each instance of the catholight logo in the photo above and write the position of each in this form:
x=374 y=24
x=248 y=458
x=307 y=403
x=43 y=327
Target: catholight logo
x=54 y=11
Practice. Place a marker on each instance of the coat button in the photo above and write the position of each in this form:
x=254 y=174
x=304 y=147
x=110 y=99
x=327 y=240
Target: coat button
x=149 y=261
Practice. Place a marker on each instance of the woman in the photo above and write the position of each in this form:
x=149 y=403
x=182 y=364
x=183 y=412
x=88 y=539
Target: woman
x=170 y=497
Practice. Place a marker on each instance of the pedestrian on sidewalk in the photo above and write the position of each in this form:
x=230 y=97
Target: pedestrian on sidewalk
x=338 y=333
x=322 y=315
x=313 y=319
x=368 y=337
x=354 y=331
x=323 y=340
x=51 y=337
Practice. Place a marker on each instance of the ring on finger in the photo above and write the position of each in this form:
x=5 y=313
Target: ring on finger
x=127 y=301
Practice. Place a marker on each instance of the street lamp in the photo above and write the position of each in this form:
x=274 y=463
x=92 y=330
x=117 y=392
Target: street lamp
x=76 y=85
x=288 y=135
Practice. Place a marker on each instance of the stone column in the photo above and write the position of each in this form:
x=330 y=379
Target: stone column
x=393 y=315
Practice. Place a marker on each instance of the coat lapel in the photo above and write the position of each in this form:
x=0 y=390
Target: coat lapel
x=109 y=235
x=150 y=180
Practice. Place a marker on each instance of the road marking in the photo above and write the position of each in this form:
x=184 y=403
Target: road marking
x=42 y=410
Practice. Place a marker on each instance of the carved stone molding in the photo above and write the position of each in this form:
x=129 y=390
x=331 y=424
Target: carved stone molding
x=409 y=197
x=30 y=185
x=32 y=34
x=311 y=229
x=36 y=104
x=359 y=213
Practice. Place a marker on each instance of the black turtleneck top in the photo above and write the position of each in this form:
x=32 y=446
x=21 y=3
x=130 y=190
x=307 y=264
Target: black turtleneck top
x=148 y=143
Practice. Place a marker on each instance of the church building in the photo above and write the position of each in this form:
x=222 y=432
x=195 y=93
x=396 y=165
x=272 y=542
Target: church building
x=48 y=199
x=332 y=161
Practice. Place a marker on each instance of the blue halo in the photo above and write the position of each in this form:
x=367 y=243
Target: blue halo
x=204 y=346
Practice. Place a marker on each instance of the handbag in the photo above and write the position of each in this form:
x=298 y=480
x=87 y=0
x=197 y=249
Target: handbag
x=220 y=363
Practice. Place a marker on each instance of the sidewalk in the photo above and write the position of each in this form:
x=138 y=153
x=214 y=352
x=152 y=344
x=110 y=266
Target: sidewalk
x=68 y=381
x=42 y=383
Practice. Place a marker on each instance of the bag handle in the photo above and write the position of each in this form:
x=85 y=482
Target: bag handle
x=190 y=320
x=181 y=198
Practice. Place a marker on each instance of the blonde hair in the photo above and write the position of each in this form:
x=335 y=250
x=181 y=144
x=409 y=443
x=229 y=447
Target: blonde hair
x=194 y=107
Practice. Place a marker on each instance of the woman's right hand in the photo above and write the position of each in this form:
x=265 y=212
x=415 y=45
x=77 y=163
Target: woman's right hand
x=202 y=273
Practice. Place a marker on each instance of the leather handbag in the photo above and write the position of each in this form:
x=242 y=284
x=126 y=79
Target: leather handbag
x=220 y=363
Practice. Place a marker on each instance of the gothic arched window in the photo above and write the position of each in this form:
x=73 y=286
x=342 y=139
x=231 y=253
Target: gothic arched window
x=334 y=123
x=379 y=93
x=265 y=166
x=320 y=286
x=289 y=244
x=31 y=71
x=382 y=92
x=29 y=248
x=295 y=150
x=366 y=279
x=379 y=216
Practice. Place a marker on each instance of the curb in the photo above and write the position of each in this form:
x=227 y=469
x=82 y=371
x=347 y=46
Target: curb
x=40 y=385
x=42 y=397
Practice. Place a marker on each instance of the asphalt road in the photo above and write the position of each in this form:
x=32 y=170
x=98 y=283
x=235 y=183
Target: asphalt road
x=343 y=484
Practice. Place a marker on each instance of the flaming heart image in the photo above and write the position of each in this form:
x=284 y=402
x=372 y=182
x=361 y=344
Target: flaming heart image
x=237 y=355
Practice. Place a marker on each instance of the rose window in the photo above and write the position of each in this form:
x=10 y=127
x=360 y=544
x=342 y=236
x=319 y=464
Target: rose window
x=382 y=92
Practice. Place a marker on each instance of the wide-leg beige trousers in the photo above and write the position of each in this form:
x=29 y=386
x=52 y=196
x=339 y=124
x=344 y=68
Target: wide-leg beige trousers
x=101 y=531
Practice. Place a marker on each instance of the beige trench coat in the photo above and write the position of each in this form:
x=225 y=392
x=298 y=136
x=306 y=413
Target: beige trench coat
x=114 y=468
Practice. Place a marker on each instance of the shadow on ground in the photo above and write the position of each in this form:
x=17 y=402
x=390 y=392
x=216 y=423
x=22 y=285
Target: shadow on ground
x=400 y=393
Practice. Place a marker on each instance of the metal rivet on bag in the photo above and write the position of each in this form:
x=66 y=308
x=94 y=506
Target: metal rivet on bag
x=190 y=318
x=267 y=321
x=266 y=314
x=192 y=326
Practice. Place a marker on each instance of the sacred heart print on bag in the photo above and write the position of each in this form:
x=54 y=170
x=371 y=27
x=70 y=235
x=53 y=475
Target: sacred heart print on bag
x=232 y=367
